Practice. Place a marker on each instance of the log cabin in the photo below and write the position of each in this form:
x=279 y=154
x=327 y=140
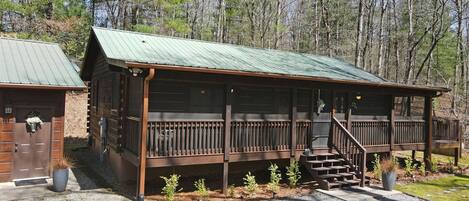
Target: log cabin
x=160 y=103
x=34 y=77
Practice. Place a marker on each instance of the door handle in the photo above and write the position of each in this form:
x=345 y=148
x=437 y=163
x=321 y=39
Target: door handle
x=16 y=147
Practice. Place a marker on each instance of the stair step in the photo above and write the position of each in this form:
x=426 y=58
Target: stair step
x=320 y=169
x=347 y=174
x=325 y=161
x=328 y=168
x=315 y=161
x=333 y=160
x=352 y=181
x=337 y=167
x=328 y=176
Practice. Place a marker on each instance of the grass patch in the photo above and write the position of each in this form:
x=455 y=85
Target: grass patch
x=447 y=188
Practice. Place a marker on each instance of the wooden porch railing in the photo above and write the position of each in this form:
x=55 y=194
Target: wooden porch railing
x=131 y=134
x=446 y=129
x=371 y=132
x=253 y=136
x=349 y=148
x=303 y=134
x=183 y=138
x=409 y=132
x=186 y=138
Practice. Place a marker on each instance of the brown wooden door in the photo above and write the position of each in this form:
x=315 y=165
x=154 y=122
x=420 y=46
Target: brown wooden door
x=32 y=152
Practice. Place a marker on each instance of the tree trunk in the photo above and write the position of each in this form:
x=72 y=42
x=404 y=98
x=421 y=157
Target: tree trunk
x=358 y=45
x=459 y=59
x=221 y=20
x=326 y=23
x=410 y=43
x=384 y=4
x=317 y=27
x=367 y=55
x=278 y=17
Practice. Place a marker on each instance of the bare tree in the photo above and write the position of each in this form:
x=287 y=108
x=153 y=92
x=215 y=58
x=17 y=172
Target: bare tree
x=326 y=23
x=358 y=53
x=383 y=4
x=278 y=18
x=221 y=20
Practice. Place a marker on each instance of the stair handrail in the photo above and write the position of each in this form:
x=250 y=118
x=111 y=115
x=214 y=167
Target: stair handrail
x=347 y=146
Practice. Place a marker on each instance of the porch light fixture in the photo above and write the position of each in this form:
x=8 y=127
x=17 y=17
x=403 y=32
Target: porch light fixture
x=135 y=71
x=358 y=97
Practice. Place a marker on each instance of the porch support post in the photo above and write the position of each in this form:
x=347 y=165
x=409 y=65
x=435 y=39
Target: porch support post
x=428 y=132
x=143 y=136
x=391 y=125
x=293 y=123
x=332 y=103
x=457 y=151
x=312 y=111
x=348 y=114
x=227 y=143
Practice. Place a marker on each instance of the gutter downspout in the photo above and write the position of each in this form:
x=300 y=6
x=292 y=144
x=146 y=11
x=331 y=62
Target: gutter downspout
x=143 y=136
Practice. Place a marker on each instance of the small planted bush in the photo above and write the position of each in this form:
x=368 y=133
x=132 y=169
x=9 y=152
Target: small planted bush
x=434 y=167
x=422 y=169
x=275 y=177
x=231 y=191
x=250 y=184
x=201 y=189
x=170 y=187
x=377 y=167
x=409 y=167
x=389 y=165
x=293 y=174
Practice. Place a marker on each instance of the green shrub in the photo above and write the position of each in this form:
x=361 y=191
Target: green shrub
x=377 y=167
x=201 y=190
x=250 y=184
x=171 y=184
x=275 y=177
x=448 y=167
x=231 y=191
x=408 y=167
x=422 y=169
x=434 y=167
x=293 y=173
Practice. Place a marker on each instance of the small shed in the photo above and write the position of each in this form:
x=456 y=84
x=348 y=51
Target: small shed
x=34 y=77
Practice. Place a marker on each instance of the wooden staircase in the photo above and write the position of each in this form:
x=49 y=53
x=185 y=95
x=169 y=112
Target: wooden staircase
x=345 y=168
x=330 y=171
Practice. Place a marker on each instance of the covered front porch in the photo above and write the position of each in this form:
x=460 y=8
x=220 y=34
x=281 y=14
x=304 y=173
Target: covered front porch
x=192 y=118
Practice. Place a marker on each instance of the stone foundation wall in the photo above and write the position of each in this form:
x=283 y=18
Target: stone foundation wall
x=76 y=113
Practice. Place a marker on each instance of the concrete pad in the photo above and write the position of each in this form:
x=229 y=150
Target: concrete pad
x=356 y=193
x=77 y=189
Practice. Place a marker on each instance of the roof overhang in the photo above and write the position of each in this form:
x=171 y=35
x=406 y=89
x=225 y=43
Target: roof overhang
x=429 y=89
x=46 y=87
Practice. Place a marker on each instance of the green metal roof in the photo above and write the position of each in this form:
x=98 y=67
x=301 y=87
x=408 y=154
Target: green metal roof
x=33 y=63
x=154 y=49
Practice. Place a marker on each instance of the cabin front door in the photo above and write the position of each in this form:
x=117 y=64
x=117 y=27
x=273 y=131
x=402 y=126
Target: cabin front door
x=32 y=145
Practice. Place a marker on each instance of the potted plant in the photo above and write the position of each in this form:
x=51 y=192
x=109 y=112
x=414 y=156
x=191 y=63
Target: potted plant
x=60 y=174
x=388 y=168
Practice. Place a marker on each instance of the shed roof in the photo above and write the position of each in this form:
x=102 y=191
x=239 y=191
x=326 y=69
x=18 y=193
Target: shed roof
x=124 y=48
x=36 y=64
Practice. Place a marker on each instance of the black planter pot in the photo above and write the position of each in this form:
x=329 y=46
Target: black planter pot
x=389 y=180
